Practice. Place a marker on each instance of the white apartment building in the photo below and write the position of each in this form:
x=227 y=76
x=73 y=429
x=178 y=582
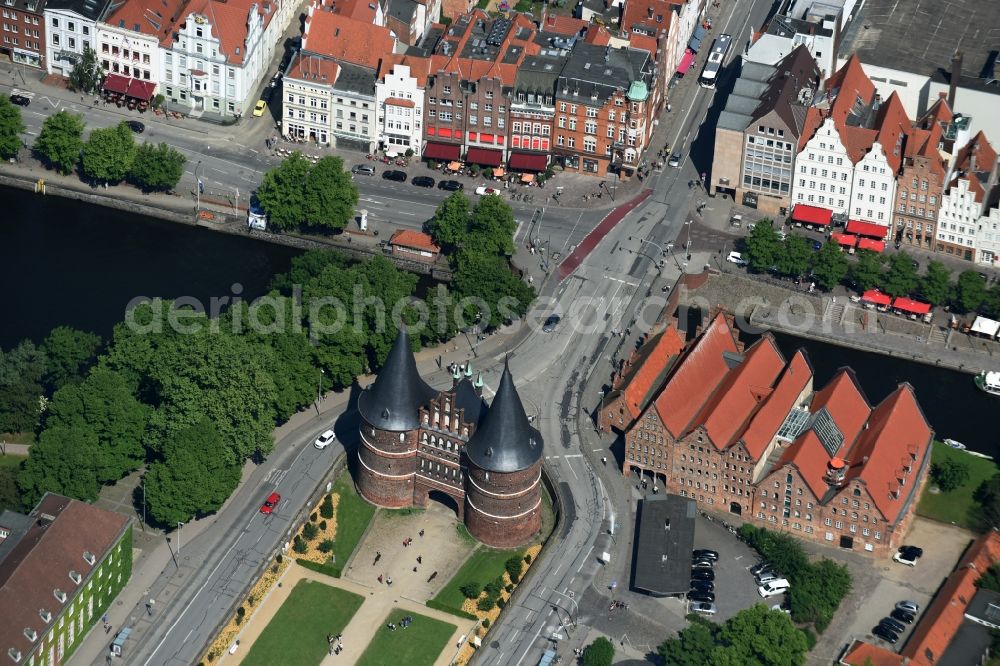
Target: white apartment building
x=824 y=174
x=307 y=94
x=958 y=218
x=128 y=41
x=70 y=26
x=399 y=100
x=988 y=233
x=355 y=121
x=874 y=188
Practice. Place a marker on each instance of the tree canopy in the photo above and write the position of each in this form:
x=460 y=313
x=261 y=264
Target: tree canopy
x=950 y=474
x=330 y=195
x=970 y=292
x=450 y=223
x=87 y=74
x=793 y=256
x=599 y=653
x=763 y=246
x=987 y=497
x=901 y=277
x=60 y=142
x=157 y=168
x=22 y=370
x=756 y=636
x=935 y=285
x=11 y=126
x=108 y=154
x=69 y=353
x=866 y=272
x=493 y=295
x=829 y=265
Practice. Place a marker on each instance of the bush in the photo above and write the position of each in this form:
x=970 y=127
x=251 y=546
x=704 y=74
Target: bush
x=437 y=605
x=278 y=558
x=251 y=600
x=326 y=545
x=513 y=567
x=486 y=623
x=322 y=526
x=326 y=508
x=409 y=152
x=326 y=569
x=821 y=624
x=510 y=588
x=810 y=638
x=493 y=587
x=471 y=590
x=240 y=614
x=527 y=558
x=486 y=604
x=299 y=546
x=599 y=653
x=310 y=531
x=501 y=603
x=313 y=518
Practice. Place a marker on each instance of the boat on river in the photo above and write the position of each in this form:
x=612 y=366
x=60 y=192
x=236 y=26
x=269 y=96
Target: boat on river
x=989 y=382
x=955 y=444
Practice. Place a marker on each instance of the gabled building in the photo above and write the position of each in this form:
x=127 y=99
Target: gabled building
x=129 y=39
x=399 y=100
x=533 y=110
x=61 y=566
x=665 y=29
x=988 y=230
x=23 y=36
x=973 y=175
x=409 y=20
x=70 y=27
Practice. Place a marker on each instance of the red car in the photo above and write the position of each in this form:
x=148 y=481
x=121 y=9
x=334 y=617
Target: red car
x=270 y=503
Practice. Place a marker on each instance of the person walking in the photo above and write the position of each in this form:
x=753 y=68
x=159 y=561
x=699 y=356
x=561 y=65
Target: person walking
x=421 y=533
x=388 y=581
x=380 y=579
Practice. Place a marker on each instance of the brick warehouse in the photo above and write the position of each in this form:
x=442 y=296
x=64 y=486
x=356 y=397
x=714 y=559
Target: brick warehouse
x=746 y=432
x=419 y=444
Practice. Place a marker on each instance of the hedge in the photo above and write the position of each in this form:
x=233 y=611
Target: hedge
x=437 y=605
x=319 y=568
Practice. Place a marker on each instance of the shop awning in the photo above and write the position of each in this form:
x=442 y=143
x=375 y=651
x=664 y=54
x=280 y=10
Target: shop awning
x=844 y=240
x=528 y=161
x=484 y=157
x=694 y=44
x=499 y=172
x=454 y=166
x=985 y=326
x=911 y=306
x=877 y=297
x=869 y=229
x=871 y=244
x=812 y=215
x=116 y=83
x=699 y=33
x=686 y=61
x=442 y=151
x=527 y=177
x=142 y=90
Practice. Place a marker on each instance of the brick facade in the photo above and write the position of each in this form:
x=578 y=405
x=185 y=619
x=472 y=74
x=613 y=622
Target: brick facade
x=504 y=510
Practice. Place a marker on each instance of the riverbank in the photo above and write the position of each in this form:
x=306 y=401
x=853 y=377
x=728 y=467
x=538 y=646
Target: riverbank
x=957 y=507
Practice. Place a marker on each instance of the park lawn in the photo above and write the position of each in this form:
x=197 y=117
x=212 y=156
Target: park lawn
x=957 y=506
x=353 y=516
x=296 y=635
x=419 y=644
x=10 y=460
x=484 y=565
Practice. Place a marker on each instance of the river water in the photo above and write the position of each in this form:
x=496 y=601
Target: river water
x=63 y=262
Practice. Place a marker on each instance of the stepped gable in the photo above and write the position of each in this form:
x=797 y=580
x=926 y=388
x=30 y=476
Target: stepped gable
x=504 y=440
x=392 y=401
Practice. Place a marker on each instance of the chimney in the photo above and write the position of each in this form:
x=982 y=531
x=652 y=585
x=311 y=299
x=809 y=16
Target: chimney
x=956 y=72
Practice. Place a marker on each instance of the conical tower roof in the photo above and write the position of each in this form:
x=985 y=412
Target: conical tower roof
x=504 y=440
x=393 y=399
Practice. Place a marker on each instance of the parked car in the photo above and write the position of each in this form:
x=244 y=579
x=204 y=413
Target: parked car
x=675 y=160
x=902 y=616
x=550 y=323
x=705 y=554
x=451 y=185
x=20 y=100
x=894 y=625
x=702 y=586
x=398 y=176
x=885 y=634
x=702 y=574
x=751 y=226
x=704 y=607
x=737 y=258
x=763 y=566
x=325 y=440
x=363 y=170
x=908 y=555
x=736 y=221
x=259 y=108
x=270 y=504
x=817 y=246
x=483 y=190
x=702 y=564
x=705 y=597
x=773 y=588
x=908 y=606
x=766 y=577
x=423 y=181
x=135 y=126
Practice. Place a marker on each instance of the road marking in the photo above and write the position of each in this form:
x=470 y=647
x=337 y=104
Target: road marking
x=403 y=212
x=572 y=470
x=518 y=231
x=598 y=449
x=573 y=455
x=586 y=559
x=188 y=636
x=22 y=93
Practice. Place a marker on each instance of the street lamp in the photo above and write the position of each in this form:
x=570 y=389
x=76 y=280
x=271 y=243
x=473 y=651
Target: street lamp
x=663 y=253
x=180 y=524
x=319 y=388
x=574 y=604
x=197 y=187
x=687 y=245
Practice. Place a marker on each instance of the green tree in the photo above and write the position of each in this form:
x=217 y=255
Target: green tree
x=970 y=292
x=450 y=225
x=991 y=304
x=693 y=646
x=760 y=636
x=310 y=531
x=108 y=154
x=935 y=285
x=493 y=226
x=471 y=590
x=763 y=246
x=599 y=653
x=11 y=126
x=21 y=374
x=282 y=192
x=901 y=277
x=60 y=142
x=64 y=461
x=87 y=74
x=794 y=256
x=194 y=477
x=513 y=567
x=495 y=294
x=990 y=580
x=866 y=272
x=10 y=495
x=829 y=265
x=69 y=354
x=157 y=168
x=326 y=508
x=987 y=496
x=950 y=474
x=330 y=195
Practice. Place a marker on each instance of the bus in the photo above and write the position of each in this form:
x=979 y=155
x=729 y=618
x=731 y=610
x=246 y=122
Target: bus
x=716 y=58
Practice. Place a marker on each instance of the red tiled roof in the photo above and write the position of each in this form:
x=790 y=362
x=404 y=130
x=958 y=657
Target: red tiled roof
x=644 y=43
x=814 y=118
x=414 y=239
x=796 y=377
x=398 y=101
x=564 y=25
x=701 y=370
x=977 y=155
x=893 y=124
x=651 y=369
x=897 y=436
x=314 y=69
x=597 y=34
x=866 y=654
x=741 y=393
x=41 y=561
x=345 y=39
x=946 y=612
x=851 y=89
x=419 y=66
x=147 y=17
x=359 y=10
x=229 y=20
x=653 y=15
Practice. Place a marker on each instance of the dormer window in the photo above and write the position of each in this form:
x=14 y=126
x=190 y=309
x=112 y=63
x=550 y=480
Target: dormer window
x=60 y=595
x=45 y=615
x=30 y=634
x=75 y=577
x=14 y=654
x=89 y=557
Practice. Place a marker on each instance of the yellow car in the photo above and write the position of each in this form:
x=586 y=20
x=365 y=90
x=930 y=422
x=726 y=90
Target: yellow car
x=259 y=110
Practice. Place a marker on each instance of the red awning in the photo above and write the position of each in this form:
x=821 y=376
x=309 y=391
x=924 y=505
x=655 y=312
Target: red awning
x=116 y=83
x=877 y=297
x=846 y=240
x=140 y=89
x=870 y=244
x=812 y=215
x=869 y=229
x=484 y=157
x=445 y=152
x=686 y=61
x=528 y=161
x=911 y=306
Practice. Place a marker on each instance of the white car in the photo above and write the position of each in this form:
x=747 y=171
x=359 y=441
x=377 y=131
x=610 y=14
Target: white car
x=773 y=588
x=325 y=440
x=482 y=190
x=737 y=258
x=908 y=555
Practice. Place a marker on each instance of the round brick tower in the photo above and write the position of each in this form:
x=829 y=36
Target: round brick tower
x=503 y=500
x=389 y=411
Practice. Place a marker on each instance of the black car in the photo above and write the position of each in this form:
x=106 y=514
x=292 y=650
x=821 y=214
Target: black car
x=902 y=616
x=135 y=126
x=398 y=176
x=702 y=574
x=758 y=568
x=20 y=100
x=705 y=554
x=551 y=323
x=703 y=564
x=893 y=625
x=886 y=634
x=915 y=551
x=706 y=597
x=702 y=586
x=451 y=185
x=423 y=181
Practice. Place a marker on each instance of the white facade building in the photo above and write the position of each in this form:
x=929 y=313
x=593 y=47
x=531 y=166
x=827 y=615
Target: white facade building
x=988 y=234
x=128 y=42
x=824 y=174
x=874 y=188
x=959 y=215
x=70 y=26
x=399 y=99
x=307 y=96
